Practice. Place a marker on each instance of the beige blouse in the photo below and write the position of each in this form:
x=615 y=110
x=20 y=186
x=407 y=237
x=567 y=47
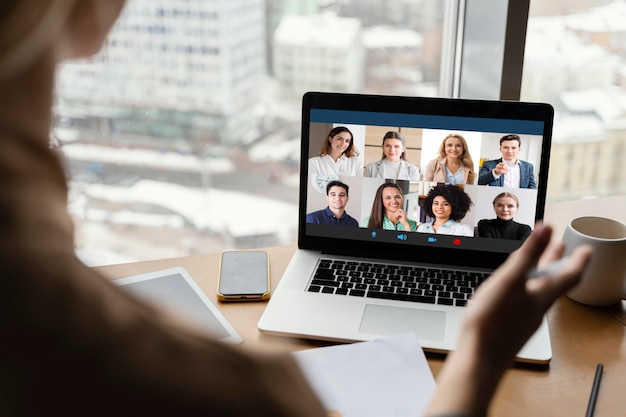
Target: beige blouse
x=436 y=172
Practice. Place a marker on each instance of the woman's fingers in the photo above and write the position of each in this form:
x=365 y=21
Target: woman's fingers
x=549 y=287
x=515 y=269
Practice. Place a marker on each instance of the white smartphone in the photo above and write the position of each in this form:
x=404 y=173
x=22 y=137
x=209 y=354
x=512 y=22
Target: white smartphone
x=244 y=276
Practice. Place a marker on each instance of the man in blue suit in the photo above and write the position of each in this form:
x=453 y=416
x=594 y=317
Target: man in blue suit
x=508 y=171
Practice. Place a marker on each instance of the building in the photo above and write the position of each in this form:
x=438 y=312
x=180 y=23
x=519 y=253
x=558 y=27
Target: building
x=589 y=144
x=321 y=52
x=274 y=12
x=173 y=73
x=557 y=60
x=393 y=60
x=604 y=26
x=419 y=15
x=575 y=62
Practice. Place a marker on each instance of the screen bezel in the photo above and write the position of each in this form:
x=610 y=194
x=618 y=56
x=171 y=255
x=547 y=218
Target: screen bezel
x=445 y=251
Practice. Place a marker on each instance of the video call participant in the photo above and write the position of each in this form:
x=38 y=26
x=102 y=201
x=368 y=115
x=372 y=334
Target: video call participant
x=447 y=204
x=454 y=165
x=393 y=164
x=503 y=226
x=508 y=171
x=338 y=156
x=387 y=212
x=335 y=213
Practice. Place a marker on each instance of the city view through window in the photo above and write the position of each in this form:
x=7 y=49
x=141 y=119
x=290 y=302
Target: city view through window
x=182 y=136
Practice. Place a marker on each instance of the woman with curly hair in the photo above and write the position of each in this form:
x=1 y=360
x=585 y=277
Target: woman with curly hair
x=387 y=212
x=454 y=165
x=447 y=204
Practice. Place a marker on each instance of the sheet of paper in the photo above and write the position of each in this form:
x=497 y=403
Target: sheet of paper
x=388 y=377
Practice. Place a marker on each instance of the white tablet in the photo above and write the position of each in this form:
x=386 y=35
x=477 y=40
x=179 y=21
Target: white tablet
x=174 y=289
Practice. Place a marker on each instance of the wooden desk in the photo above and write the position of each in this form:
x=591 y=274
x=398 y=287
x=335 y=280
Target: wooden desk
x=581 y=336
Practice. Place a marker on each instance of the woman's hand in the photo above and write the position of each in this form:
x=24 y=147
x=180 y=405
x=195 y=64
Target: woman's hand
x=501 y=316
x=509 y=307
x=399 y=216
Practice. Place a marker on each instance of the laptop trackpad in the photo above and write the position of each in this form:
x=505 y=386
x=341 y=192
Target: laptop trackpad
x=385 y=320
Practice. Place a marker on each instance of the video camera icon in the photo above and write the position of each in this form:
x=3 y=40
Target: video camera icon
x=432 y=239
x=402 y=236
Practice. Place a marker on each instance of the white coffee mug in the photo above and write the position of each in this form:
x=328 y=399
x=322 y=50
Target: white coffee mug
x=603 y=282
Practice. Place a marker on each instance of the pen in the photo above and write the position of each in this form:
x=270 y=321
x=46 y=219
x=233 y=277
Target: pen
x=594 y=390
x=551 y=268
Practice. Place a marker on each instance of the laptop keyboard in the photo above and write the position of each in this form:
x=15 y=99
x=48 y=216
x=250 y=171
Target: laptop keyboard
x=395 y=282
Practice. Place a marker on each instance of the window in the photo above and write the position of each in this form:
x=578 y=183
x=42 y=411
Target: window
x=575 y=60
x=181 y=136
x=172 y=154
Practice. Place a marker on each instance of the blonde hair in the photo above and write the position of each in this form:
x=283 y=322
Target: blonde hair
x=26 y=28
x=506 y=194
x=465 y=158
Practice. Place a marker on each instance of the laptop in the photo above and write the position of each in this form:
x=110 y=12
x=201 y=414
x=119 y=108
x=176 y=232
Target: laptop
x=310 y=304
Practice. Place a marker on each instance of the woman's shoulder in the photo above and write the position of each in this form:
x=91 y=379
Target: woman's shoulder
x=424 y=227
x=315 y=159
x=465 y=226
x=320 y=157
x=436 y=162
x=408 y=164
x=522 y=226
x=466 y=229
x=354 y=166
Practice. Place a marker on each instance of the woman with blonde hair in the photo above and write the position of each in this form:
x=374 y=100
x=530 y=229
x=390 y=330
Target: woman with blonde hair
x=454 y=165
x=503 y=226
x=75 y=344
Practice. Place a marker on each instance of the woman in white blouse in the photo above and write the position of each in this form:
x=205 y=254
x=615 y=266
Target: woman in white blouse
x=393 y=164
x=338 y=156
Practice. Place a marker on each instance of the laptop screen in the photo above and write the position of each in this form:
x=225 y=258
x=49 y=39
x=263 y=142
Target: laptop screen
x=425 y=179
